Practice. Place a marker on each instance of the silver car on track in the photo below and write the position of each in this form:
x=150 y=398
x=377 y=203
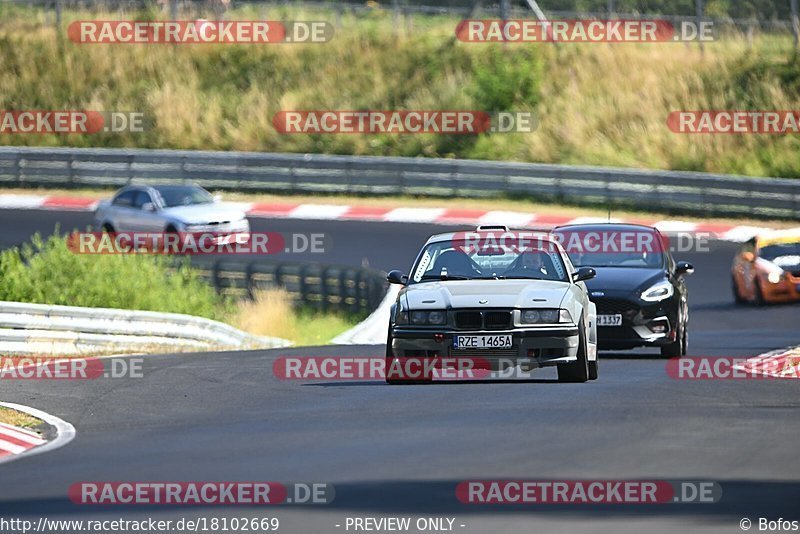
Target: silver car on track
x=169 y=208
x=495 y=297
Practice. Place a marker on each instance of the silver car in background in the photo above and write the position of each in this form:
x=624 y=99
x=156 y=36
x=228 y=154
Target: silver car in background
x=170 y=208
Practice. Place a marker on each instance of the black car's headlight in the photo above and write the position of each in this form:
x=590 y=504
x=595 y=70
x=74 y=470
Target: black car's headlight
x=545 y=316
x=660 y=291
x=428 y=317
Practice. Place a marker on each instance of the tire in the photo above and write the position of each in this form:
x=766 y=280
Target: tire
x=577 y=371
x=107 y=228
x=685 y=347
x=593 y=369
x=388 y=359
x=759 y=298
x=737 y=297
x=676 y=348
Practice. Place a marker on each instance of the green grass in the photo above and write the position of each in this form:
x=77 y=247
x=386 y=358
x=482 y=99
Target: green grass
x=316 y=328
x=598 y=104
x=13 y=417
x=272 y=313
x=45 y=271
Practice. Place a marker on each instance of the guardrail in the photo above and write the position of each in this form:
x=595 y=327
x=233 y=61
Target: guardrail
x=44 y=329
x=670 y=191
x=324 y=287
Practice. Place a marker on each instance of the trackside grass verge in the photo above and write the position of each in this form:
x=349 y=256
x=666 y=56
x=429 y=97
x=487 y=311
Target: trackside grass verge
x=45 y=271
x=20 y=419
x=271 y=313
x=596 y=104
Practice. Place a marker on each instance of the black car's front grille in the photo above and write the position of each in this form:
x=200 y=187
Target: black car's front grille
x=469 y=319
x=610 y=306
x=497 y=320
x=483 y=319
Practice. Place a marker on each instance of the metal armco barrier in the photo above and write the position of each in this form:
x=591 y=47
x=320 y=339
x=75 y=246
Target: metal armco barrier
x=670 y=191
x=44 y=329
x=324 y=287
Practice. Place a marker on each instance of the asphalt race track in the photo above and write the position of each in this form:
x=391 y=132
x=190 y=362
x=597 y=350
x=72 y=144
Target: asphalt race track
x=401 y=451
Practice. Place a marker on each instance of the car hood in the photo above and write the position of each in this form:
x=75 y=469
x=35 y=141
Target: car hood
x=624 y=279
x=205 y=213
x=789 y=263
x=496 y=293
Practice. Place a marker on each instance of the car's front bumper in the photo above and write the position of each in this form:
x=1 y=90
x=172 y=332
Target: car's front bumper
x=643 y=323
x=531 y=347
x=786 y=290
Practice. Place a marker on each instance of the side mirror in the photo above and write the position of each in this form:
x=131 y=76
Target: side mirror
x=684 y=267
x=148 y=206
x=584 y=273
x=748 y=256
x=397 y=277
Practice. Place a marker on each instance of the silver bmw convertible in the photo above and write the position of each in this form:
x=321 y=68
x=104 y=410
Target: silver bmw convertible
x=508 y=300
x=169 y=208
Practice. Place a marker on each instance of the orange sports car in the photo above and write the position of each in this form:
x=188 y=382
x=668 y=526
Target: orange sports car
x=767 y=268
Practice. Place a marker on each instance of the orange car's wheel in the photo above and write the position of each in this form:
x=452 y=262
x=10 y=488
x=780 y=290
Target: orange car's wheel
x=759 y=295
x=736 y=295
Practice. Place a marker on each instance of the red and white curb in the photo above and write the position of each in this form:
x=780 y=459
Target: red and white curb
x=781 y=363
x=18 y=442
x=450 y=216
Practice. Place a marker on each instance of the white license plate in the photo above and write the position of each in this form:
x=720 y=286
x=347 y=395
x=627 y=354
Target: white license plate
x=609 y=320
x=482 y=342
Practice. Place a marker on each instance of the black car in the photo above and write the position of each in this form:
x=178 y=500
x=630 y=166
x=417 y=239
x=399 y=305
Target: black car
x=639 y=289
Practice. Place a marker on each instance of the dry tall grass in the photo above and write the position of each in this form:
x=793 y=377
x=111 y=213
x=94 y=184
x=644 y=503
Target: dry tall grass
x=603 y=104
x=270 y=313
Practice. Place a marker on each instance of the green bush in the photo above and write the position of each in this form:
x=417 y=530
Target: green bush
x=47 y=272
x=507 y=80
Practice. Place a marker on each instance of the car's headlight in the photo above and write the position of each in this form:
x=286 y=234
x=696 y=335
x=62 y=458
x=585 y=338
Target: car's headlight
x=427 y=317
x=545 y=316
x=774 y=277
x=400 y=317
x=660 y=291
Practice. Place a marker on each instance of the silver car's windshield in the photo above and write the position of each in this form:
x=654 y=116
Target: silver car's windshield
x=447 y=260
x=181 y=195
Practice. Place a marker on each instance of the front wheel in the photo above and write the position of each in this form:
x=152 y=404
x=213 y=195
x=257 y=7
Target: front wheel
x=759 y=298
x=737 y=297
x=389 y=358
x=593 y=369
x=677 y=348
x=577 y=371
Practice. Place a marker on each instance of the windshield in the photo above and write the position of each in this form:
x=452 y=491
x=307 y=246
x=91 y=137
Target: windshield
x=783 y=254
x=447 y=260
x=607 y=248
x=180 y=195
